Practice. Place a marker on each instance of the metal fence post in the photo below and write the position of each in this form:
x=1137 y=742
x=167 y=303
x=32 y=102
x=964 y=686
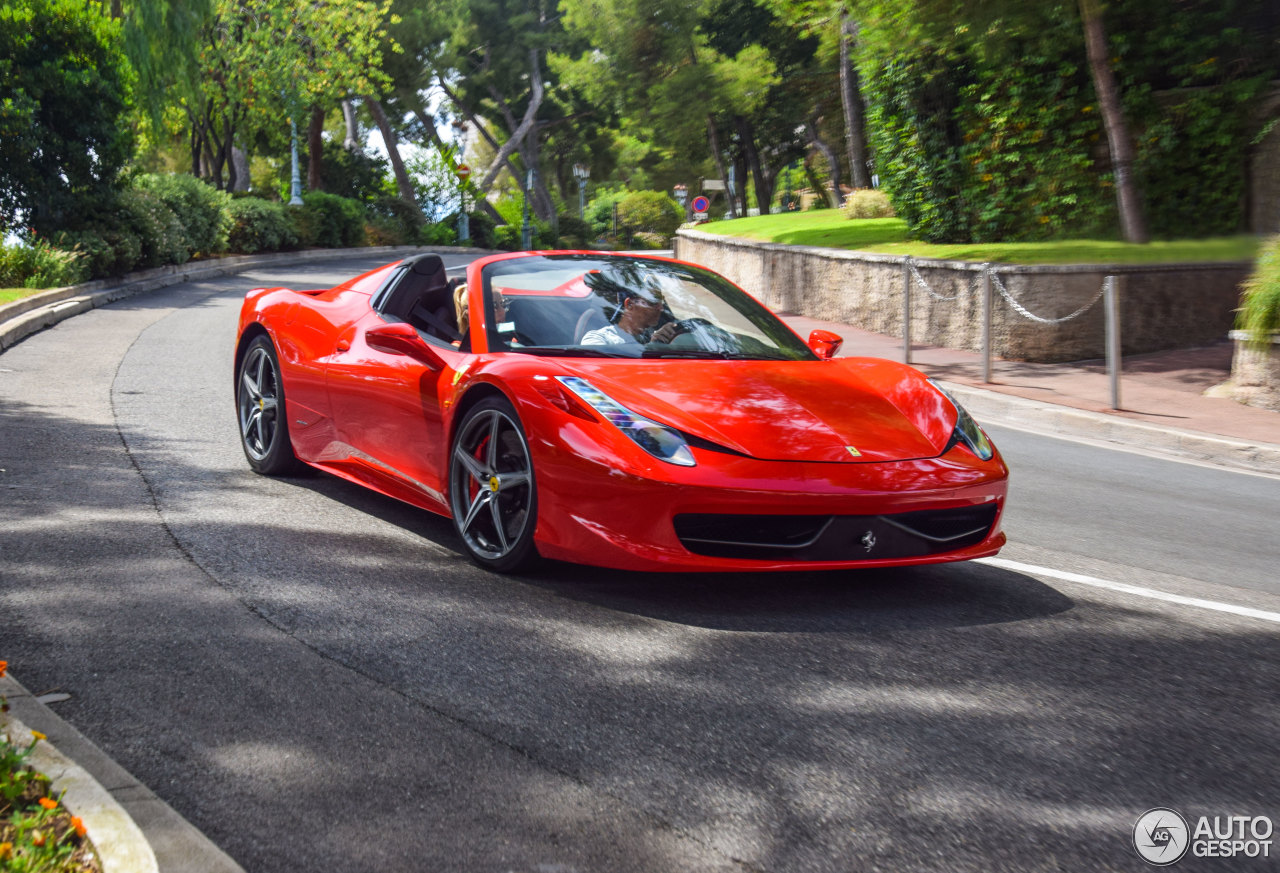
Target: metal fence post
x=1112 y=307
x=986 y=322
x=906 y=309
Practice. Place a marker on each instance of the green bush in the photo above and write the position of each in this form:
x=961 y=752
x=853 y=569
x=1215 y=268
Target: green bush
x=201 y=209
x=329 y=221
x=164 y=241
x=1260 y=310
x=599 y=212
x=507 y=237
x=41 y=265
x=481 y=225
x=575 y=233
x=392 y=222
x=106 y=251
x=439 y=234
x=259 y=226
x=354 y=174
x=650 y=212
x=867 y=203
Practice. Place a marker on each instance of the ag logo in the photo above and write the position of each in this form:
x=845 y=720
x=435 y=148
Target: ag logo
x=1161 y=836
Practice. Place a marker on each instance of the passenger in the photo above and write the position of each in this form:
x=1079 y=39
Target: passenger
x=460 y=307
x=638 y=311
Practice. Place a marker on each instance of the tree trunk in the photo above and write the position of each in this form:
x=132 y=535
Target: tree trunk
x=1133 y=225
x=713 y=134
x=315 y=149
x=855 y=132
x=536 y=92
x=233 y=172
x=764 y=180
x=240 y=161
x=393 y=151
x=833 y=162
x=352 y=140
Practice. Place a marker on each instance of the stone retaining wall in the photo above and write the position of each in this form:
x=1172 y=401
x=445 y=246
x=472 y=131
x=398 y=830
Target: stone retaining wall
x=1162 y=306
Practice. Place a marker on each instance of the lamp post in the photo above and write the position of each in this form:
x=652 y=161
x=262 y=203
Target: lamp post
x=581 y=172
x=295 y=180
x=681 y=192
x=526 y=229
x=460 y=132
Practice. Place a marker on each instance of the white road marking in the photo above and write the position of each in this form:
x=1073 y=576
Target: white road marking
x=1135 y=590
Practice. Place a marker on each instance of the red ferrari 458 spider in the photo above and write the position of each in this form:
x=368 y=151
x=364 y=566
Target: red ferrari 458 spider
x=617 y=410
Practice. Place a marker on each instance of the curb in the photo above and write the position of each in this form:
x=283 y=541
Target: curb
x=1033 y=415
x=132 y=830
x=21 y=318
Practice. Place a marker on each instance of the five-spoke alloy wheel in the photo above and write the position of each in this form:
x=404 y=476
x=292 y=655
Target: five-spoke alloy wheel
x=264 y=429
x=492 y=493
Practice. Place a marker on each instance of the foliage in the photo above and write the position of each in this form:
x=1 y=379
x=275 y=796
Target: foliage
x=575 y=233
x=392 y=222
x=435 y=186
x=259 y=226
x=867 y=203
x=105 y=251
x=650 y=212
x=1260 y=305
x=599 y=212
x=481 y=227
x=329 y=221
x=64 y=85
x=355 y=174
x=38 y=264
x=201 y=209
x=162 y=237
x=441 y=234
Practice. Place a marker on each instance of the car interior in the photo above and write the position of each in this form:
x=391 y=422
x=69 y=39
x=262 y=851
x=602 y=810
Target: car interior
x=421 y=295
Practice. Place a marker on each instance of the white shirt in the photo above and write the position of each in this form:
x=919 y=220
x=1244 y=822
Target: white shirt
x=609 y=335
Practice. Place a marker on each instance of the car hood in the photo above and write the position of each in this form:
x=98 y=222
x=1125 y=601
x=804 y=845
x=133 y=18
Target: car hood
x=844 y=410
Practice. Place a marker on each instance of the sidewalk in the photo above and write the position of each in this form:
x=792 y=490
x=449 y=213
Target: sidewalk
x=1162 y=397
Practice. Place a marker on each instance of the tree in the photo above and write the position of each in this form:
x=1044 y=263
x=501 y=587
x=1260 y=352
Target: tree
x=64 y=86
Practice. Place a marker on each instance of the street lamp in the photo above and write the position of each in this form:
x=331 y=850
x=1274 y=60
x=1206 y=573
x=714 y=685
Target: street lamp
x=526 y=230
x=581 y=172
x=295 y=179
x=460 y=132
x=681 y=191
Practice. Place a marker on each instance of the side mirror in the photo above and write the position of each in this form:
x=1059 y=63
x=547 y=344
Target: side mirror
x=825 y=344
x=400 y=338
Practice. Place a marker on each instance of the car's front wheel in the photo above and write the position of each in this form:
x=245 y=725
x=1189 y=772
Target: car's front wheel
x=492 y=491
x=264 y=427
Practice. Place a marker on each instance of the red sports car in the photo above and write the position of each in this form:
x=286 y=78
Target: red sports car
x=617 y=410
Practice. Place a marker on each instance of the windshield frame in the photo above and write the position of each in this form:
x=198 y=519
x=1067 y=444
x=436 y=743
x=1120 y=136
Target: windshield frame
x=771 y=339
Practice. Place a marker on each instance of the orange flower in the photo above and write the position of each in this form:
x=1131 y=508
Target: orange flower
x=4 y=667
x=6 y=849
x=78 y=825
x=37 y=838
x=48 y=803
x=39 y=736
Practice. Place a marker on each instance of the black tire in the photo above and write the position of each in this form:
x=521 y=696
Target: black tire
x=260 y=411
x=493 y=494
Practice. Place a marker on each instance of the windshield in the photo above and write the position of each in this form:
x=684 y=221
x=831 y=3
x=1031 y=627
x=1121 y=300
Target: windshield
x=625 y=307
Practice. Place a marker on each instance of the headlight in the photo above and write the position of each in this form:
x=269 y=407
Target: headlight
x=967 y=430
x=664 y=443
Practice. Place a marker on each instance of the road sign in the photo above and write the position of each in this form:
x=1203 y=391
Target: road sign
x=713 y=184
x=701 y=204
x=463 y=171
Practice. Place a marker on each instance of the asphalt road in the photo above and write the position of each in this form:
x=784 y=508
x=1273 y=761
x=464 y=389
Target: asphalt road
x=319 y=680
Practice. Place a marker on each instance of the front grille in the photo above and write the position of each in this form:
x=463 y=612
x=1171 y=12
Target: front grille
x=836 y=537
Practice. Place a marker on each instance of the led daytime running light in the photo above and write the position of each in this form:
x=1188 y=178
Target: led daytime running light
x=967 y=430
x=664 y=443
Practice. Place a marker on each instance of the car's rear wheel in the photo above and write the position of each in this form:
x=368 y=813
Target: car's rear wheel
x=264 y=427
x=492 y=491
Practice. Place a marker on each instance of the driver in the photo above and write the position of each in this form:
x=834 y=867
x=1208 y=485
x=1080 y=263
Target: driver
x=638 y=310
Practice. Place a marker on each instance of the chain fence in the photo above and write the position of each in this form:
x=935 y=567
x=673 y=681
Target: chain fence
x=991 y=279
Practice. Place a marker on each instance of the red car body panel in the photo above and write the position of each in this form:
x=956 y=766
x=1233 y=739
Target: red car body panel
x=850 y=436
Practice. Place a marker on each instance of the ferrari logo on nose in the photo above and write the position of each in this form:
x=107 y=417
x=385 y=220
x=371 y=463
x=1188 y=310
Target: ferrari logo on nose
x=869 y=540
x=493 y=484
x=854 y=452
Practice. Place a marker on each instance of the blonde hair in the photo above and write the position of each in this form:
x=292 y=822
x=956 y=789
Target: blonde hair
x=460 y=305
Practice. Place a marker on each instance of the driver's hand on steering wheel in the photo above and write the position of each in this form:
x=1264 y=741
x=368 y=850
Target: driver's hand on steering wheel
x=666 y=333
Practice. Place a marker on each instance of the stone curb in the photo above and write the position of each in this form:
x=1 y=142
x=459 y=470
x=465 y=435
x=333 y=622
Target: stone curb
x=21 y=318
x=132 y=830
x=1064 y=421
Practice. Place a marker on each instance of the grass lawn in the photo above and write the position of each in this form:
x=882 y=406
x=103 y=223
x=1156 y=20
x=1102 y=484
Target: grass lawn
x=828 y=227
x=8 y=295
